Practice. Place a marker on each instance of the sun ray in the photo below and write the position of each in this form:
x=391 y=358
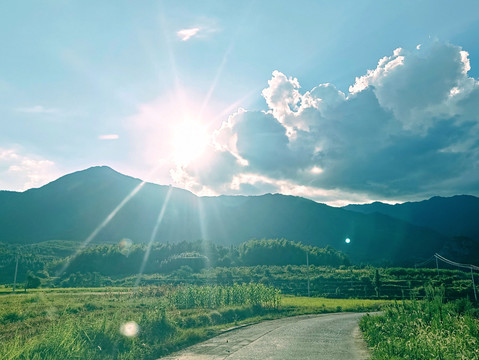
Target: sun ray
x=203 y=230
x=174 y=70
x=101 y=226
x=215 y=80
x=153 y=236
x=105 y=222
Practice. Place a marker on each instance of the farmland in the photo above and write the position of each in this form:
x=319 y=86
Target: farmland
x=145 y=323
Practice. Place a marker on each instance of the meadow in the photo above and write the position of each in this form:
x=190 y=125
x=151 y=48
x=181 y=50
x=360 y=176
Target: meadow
x=142 y=323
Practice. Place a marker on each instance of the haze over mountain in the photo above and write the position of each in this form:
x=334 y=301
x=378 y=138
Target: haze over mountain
x=452 y=216
x=87 y=202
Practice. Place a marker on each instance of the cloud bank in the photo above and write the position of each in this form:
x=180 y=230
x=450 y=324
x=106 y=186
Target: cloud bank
x=407 y=129
x=19 y=171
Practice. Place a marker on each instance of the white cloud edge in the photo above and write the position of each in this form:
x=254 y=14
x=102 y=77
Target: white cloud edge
x=108 y=137
x=188 y=33
x=20 y=171
x=37 y=109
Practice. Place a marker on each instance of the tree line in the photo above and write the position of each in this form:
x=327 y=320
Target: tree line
x=126 y=258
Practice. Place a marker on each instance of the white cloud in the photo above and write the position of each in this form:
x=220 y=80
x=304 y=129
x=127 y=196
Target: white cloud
x=187 y=34
x=416 y=86
x=37 y=109
x=109 y=137
x=19 y=171
x=407 y=129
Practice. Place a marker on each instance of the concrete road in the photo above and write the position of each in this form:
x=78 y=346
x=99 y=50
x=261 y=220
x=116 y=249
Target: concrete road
x=327 y=336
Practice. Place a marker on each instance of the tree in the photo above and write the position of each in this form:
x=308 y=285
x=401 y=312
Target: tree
x=32 y=282
x=377 y=283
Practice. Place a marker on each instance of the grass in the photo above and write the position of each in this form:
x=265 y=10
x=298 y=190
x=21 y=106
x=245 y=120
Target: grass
x=86 y=324
x=308 y=305
x=8 y=290
x=422 y=330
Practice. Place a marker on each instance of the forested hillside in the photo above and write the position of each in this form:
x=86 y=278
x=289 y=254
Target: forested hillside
x=453 y=216
x=50 y=259
x=102 y=206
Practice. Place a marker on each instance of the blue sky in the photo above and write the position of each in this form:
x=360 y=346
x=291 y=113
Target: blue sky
x=229 y=97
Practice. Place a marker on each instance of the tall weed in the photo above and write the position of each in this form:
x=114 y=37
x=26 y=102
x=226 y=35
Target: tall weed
x=429 y=329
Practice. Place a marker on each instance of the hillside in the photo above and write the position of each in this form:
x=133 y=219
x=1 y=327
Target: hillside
x=452 y=216
x=75 y=205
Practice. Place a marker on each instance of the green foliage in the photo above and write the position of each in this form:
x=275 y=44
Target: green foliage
x=95 y=265
x=200 y=263
x=211 y=297
x=32 y=282
x=284 y=252
x=429 y=329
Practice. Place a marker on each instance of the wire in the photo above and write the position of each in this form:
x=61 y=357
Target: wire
x=450 y=262
x=425 y=262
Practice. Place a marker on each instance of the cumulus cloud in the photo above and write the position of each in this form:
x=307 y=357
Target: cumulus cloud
x=406 y=130
x=19 y=171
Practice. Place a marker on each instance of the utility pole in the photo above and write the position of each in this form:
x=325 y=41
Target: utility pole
x=437 y=266
x=307 y=264
x=15 y=277
x=473 y=285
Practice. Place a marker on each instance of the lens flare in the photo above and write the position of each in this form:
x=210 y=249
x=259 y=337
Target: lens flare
x=348 y=240
x=125 y=246
x=130 y=329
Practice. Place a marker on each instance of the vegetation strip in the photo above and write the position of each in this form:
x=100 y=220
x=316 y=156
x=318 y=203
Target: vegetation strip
x=422 y=330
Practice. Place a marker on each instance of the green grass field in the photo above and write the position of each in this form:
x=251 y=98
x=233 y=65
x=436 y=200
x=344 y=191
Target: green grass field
x=122 y=323
x=312 y=305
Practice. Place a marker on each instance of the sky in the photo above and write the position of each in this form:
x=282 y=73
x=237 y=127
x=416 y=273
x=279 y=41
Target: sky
x=336 y=101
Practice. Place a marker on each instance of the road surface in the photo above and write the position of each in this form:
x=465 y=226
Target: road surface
x=326 y=336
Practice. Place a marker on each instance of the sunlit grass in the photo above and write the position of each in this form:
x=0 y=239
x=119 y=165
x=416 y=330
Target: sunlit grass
x=422 y=330
x=305 y=305
x=82 y=323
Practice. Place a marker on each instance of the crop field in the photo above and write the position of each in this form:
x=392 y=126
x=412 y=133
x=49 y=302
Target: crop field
x=144 y=323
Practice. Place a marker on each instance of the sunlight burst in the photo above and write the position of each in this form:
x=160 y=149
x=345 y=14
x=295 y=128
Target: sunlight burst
x=189 y=141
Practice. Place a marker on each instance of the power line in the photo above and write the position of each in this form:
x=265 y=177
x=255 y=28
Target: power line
x=463 y=266
x=425 y=262
x=453 y=263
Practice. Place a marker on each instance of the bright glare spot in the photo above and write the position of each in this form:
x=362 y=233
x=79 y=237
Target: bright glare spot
x=186 y=34
x=348 y=240
x=125 y=246
x=109 y=137
x=454 y=91
x=316 y=170
x=130 y=329
x=189 y=142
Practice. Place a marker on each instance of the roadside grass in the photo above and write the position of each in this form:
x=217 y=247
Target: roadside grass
x=158 y=320
x=312 y=305
x=8 y=290
x=420 y=330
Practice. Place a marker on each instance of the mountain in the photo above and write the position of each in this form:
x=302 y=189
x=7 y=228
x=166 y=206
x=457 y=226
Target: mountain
x=452 y=216
x=86 y=203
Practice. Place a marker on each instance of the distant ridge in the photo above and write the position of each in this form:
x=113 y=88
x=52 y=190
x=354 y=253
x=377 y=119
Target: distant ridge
x=453 y=216
x=73 y=206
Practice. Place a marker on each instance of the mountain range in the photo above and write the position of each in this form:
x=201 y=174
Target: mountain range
x=100 y=205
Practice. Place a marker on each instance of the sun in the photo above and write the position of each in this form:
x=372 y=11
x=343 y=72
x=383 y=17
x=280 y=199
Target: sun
x=189 y=141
